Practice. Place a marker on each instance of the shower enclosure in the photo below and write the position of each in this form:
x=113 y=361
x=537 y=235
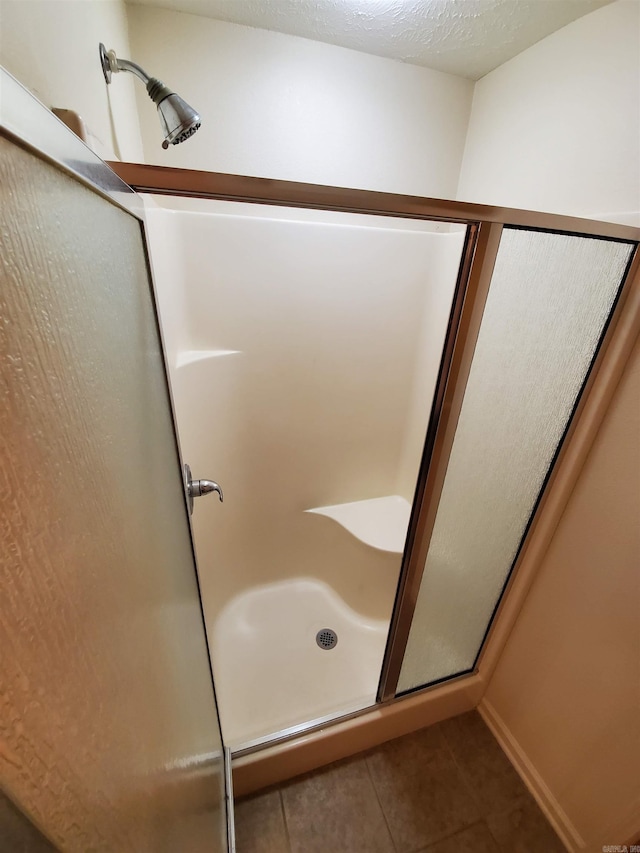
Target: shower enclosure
x=304 y=348
x=382 y=386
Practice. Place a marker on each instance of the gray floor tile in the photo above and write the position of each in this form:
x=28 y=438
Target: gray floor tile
x=524 y=830
x=475 y=839
x=335 y=810
x=493 y=780
x=421 y=790
x=260 y=824
x=445 y=789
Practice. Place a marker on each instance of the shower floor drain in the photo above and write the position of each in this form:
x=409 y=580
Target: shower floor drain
x=326 y=638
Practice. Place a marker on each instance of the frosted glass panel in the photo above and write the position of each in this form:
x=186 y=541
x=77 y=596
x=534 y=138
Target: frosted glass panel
x=109 y=735
x=549 y=300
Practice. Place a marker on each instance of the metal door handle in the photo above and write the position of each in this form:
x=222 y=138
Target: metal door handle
x=197 y=488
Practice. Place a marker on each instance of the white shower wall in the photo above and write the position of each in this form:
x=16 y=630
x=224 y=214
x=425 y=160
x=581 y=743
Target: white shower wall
x=333 y=333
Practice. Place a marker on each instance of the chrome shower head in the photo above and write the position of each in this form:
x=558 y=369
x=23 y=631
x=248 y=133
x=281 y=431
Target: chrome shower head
x=179 y=121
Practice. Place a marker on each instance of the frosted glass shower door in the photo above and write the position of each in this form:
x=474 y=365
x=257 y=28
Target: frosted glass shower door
x=109 y=731
x=550 y=299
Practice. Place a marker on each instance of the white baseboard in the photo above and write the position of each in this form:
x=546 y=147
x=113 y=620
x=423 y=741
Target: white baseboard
x=551 y=808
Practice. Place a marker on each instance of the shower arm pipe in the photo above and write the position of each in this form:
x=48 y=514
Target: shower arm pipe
x=112 y=64
x=127 y=65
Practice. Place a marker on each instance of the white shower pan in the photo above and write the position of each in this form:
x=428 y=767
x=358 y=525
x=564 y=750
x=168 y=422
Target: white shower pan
x=270 y=672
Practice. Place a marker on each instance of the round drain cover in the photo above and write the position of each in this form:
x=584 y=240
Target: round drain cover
x=326 y=638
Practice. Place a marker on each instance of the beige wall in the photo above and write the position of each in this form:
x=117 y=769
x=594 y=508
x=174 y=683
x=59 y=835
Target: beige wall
x=279 y=106
x=557 y=128
x=567 y=686
x=51 y=47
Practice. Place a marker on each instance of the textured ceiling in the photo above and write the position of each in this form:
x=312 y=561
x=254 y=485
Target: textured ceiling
x=464 y=37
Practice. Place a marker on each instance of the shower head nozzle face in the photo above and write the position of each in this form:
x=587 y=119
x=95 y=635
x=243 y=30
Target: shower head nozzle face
x=182 y=136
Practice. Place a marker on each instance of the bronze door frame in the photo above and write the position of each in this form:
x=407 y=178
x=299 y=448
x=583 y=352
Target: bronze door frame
x=484 y=226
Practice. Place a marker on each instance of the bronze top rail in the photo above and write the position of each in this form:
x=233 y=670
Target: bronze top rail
x=167 y=180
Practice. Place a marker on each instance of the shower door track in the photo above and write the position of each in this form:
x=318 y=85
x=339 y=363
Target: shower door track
x=189 y=183
x=484 y=225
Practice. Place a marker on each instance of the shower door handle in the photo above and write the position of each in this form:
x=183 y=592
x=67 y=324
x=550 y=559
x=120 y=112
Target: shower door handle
x=197 y=488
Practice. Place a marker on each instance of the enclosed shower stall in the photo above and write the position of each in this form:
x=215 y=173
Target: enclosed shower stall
x=361 y=550
x=388 y=390
x=304 y=349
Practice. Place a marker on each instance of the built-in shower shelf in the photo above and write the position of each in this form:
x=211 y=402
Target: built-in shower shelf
x=379 y=522
x=193 y=355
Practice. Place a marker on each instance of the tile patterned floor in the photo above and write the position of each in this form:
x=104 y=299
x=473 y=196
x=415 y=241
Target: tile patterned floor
x=445 y=789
